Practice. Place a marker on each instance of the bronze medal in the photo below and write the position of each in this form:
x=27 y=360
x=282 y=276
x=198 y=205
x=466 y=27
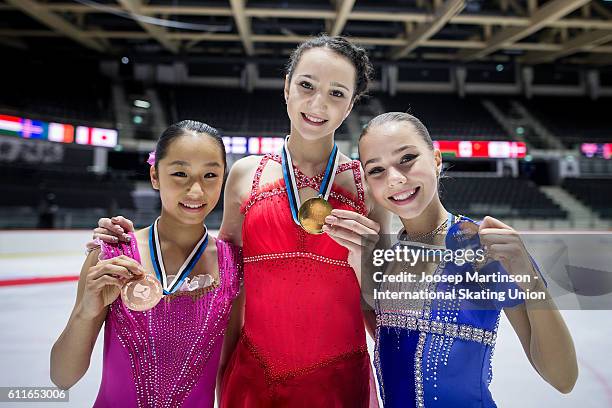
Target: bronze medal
x=312 y=214
x=142 y=294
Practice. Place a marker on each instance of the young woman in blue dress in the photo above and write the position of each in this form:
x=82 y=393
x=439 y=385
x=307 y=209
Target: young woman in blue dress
x=437 y=353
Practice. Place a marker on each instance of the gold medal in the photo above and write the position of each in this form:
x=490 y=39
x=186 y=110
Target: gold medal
x=142 y=294
x=312 y=214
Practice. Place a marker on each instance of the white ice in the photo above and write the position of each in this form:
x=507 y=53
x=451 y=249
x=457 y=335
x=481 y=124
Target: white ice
x=33 y=316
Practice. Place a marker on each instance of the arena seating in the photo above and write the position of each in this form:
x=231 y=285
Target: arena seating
x=447 y=116
x=230 y=110
x=574 y=120
x=503 y=197
x=595 y=193
x=45 y=94
x=30 y=187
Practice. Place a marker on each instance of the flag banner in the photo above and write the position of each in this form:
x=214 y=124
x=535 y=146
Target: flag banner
x=96 y=136
x=481 y=149
x=59 y=132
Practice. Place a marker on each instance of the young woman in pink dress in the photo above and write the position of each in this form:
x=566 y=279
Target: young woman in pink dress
x=163 y=354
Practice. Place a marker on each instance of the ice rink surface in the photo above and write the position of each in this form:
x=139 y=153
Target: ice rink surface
x=32 y=316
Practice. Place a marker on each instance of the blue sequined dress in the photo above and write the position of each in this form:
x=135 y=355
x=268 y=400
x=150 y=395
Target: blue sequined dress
x=436 y=353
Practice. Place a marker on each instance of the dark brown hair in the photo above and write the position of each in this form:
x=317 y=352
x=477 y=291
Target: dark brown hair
x=183 y=127
x=340 y=45
x=390 y=117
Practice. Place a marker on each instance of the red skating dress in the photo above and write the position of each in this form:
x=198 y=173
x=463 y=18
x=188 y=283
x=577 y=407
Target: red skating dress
x=303 y=343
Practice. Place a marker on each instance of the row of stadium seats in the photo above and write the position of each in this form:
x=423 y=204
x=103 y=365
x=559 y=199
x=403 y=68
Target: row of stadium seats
x=502 y=197
x=574 y=120
x=37 y=188
x=447 y=116
x=45 y=93
x=595 y=193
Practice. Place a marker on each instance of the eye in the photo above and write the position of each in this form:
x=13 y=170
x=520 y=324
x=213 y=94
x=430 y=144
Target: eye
x=408 y=158
x=338 y=94
x=306 y=85
x=179 y=174
x=375 y=170
x=210 y=175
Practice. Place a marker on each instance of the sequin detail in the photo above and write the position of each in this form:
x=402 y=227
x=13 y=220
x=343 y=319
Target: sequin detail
x=289 y=255
x=303 y=181
x=418 y=371
x=459 y=331
x=440 y=327
x=109 y=251
x=273 y=377
x=170 y=346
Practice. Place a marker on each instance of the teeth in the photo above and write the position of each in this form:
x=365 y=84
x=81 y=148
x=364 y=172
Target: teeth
x=404 y=196
x=313 y=119
x=194 y=206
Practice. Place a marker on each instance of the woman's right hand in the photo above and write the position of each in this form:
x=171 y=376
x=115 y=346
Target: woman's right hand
x=108 y=276
x=111 y=230
x=355 y=232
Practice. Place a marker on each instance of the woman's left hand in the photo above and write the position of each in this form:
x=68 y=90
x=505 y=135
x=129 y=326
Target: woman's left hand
x=353 y=231
x=504 y=244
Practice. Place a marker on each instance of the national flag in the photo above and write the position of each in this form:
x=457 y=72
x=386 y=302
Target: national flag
x=499 y=150
x=104 y=137
x=464 y=149
x=96 y=136
x=60 y=132
x=10 y=125
x=480 y=149
x=34 y=129
x=589 y=149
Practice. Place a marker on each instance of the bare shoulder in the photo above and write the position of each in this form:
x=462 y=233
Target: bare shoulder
x=240 y=177
x=245 y=165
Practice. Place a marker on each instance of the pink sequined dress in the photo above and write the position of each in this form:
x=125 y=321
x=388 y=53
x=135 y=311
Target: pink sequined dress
x=168 y=356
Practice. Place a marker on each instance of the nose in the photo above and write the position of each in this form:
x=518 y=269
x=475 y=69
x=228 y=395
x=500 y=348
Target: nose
x=395 y=177
x=195 y=191
x=318 y=102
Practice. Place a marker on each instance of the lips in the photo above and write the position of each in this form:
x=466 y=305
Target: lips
x=192 y=207
x=313 y=120
x=404 y=197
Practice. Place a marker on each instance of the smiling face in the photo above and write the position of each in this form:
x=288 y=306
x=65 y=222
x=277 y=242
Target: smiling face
x=320 y=93
x=189 y=178
x=400 y=168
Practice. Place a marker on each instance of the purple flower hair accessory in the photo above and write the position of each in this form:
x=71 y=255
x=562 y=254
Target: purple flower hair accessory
x=151 y=159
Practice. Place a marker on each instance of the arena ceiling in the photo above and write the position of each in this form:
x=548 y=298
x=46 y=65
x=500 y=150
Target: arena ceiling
x=530 y=32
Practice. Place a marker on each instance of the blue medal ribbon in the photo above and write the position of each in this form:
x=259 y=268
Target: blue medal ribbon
x=158 y=261
x=292 y=189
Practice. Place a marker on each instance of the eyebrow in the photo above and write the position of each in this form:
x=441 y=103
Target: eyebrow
x=186 y=164
x=338 y=84
x=396 y=151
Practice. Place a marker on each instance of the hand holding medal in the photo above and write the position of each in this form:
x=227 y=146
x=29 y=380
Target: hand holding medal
x=104 y=282
x=353 y=231
x=503 y=243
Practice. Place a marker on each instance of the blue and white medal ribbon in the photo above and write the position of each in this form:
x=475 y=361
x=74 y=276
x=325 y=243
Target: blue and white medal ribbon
x=184 y=270
x=291 y=184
